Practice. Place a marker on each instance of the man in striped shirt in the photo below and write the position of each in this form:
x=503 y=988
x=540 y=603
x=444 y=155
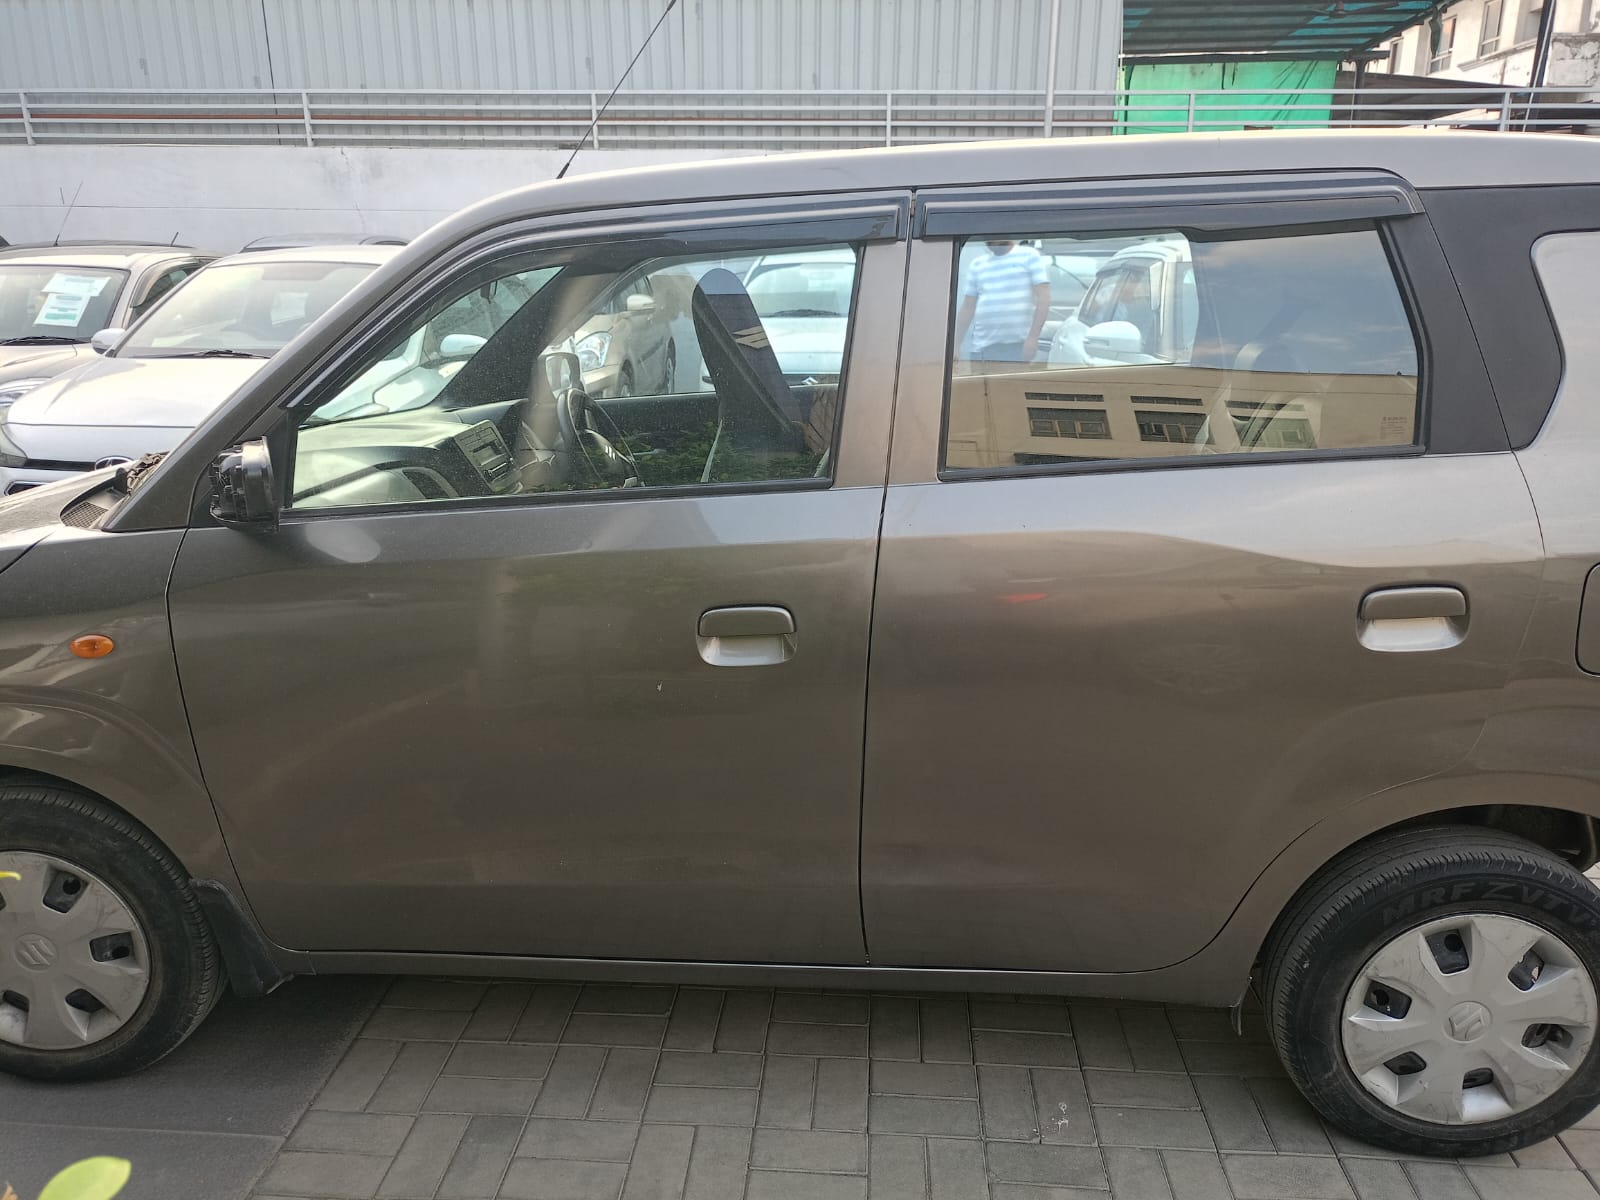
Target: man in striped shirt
x=1005 y=305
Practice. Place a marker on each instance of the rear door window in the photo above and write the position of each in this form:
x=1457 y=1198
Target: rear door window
x=1271 y=342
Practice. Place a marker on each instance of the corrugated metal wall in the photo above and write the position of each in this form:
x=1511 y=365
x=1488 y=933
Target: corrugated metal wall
x=132 y=44
x=914 y=45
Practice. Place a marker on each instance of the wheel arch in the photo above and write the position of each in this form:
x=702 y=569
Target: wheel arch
x=254 y=965
x=179 y=815
x=1558 y=813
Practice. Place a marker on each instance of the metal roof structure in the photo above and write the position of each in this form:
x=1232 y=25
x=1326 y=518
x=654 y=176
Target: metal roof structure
x=1295 y=30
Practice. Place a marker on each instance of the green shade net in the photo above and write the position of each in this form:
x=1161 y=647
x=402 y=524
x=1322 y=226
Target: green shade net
x=1232 y=95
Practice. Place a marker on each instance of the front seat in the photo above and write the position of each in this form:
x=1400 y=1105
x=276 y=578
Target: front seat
x=753 y=397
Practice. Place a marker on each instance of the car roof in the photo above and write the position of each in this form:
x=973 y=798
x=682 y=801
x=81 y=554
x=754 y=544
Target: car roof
x=363 y=255
x=290 y=241
x=1425 y=158
x=1166 y=247
x=95 y=255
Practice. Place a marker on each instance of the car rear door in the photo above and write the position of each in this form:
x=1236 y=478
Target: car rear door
x=1139 y=625
x=619 y=722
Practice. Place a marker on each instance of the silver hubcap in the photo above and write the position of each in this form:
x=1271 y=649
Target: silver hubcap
x=73 y=961
x=1469 y=1018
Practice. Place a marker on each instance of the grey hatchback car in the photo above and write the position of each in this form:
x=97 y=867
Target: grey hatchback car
x=1262 y=651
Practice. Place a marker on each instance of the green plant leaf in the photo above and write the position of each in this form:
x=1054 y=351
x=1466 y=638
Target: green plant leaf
x=91 y=1179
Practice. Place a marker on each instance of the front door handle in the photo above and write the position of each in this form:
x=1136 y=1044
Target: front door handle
x=1412 y=618
x=750 y=635
x=750 y=620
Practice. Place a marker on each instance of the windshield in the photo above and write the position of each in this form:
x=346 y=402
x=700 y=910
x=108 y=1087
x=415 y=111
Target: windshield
x=244 y=308
x=56 y=303
x=803 y=289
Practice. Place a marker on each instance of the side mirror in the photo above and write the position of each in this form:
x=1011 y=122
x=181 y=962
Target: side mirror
x=1114 y=339
x=241 y=487
x=106 y=339
x=641 y=304
x=460 y=345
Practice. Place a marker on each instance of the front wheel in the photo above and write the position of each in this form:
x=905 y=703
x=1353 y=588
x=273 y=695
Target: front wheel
x=106 y=961
x=1435 y=993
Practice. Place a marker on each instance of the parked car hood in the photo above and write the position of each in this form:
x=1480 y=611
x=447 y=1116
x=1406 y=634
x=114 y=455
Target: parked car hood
x=19 y=361
x=134 y=392
x=806 y=345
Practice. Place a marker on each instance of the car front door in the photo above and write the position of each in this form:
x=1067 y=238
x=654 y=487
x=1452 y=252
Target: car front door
x=1140 y=625
x=517 y=678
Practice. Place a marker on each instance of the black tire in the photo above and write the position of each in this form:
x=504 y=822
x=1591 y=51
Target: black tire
x=185 y=969
x=625 y=380
x=1361 y=902
x=669 y=379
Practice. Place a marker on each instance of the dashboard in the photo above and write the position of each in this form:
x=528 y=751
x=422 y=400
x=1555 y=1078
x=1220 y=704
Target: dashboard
x=428 y=455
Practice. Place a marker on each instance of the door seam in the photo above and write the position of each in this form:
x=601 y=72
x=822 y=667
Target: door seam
x=872 y=598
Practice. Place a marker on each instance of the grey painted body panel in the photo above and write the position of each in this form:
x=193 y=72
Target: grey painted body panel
x=1112 y=722
x=114 y=726
x=518 y=749
x=1138 y=687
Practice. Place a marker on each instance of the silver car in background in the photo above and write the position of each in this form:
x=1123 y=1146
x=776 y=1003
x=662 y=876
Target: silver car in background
x=157 y=381
x=54 y=299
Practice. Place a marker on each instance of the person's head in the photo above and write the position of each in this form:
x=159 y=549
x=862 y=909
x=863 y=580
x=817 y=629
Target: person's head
x=999 y=247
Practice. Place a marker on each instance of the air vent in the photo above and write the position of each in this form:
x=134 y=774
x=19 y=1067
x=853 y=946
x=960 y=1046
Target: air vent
x=84 y=514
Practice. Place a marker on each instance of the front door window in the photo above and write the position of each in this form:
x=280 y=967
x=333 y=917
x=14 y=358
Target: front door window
x=612 y=371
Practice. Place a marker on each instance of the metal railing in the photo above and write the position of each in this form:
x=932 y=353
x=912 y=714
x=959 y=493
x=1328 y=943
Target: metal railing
x=757 y=120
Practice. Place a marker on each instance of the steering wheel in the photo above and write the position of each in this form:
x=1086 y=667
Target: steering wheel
x=609 y=463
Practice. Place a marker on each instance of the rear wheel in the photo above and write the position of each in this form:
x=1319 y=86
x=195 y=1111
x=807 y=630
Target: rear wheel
x=1435 y=993
x=106 y=961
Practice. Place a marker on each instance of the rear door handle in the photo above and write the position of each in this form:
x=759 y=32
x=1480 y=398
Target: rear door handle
x=1407 y=619
x=1409 y=603
x=751 y=635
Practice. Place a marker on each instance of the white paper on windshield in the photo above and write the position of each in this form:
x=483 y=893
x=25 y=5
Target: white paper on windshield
x=62 y=309
x=64 y=283
x=287 y=306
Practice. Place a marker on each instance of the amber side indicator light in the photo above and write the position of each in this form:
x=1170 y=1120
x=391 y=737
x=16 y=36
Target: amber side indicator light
x=92 y=645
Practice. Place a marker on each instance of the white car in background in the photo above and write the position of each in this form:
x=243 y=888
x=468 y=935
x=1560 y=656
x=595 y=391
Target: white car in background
x=1141 y=308
x=803 y=300
x=156 y=382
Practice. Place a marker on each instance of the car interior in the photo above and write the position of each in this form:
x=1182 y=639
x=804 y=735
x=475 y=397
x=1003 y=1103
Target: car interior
x=531 y=427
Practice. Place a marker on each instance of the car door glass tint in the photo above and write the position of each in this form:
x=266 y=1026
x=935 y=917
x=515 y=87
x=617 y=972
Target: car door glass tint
x=613 y=369
x=1180 y=345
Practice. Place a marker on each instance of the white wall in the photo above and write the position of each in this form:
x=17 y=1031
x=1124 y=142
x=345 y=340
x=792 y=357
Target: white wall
x=1574 y=51
x=219 y=197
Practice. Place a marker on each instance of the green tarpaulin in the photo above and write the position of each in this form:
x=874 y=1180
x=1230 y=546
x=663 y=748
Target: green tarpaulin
x=1230 y=95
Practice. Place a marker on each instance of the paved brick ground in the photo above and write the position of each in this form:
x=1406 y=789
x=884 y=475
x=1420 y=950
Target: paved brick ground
x=461 y=1090
x=469 y=1091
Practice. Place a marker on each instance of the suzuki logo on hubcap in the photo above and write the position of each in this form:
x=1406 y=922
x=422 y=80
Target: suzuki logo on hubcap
x=35 y=951
x=1467 y=1022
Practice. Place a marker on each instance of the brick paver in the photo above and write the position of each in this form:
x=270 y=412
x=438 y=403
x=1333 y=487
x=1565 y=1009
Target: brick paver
x=431 y=1089
x=466 y=1091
